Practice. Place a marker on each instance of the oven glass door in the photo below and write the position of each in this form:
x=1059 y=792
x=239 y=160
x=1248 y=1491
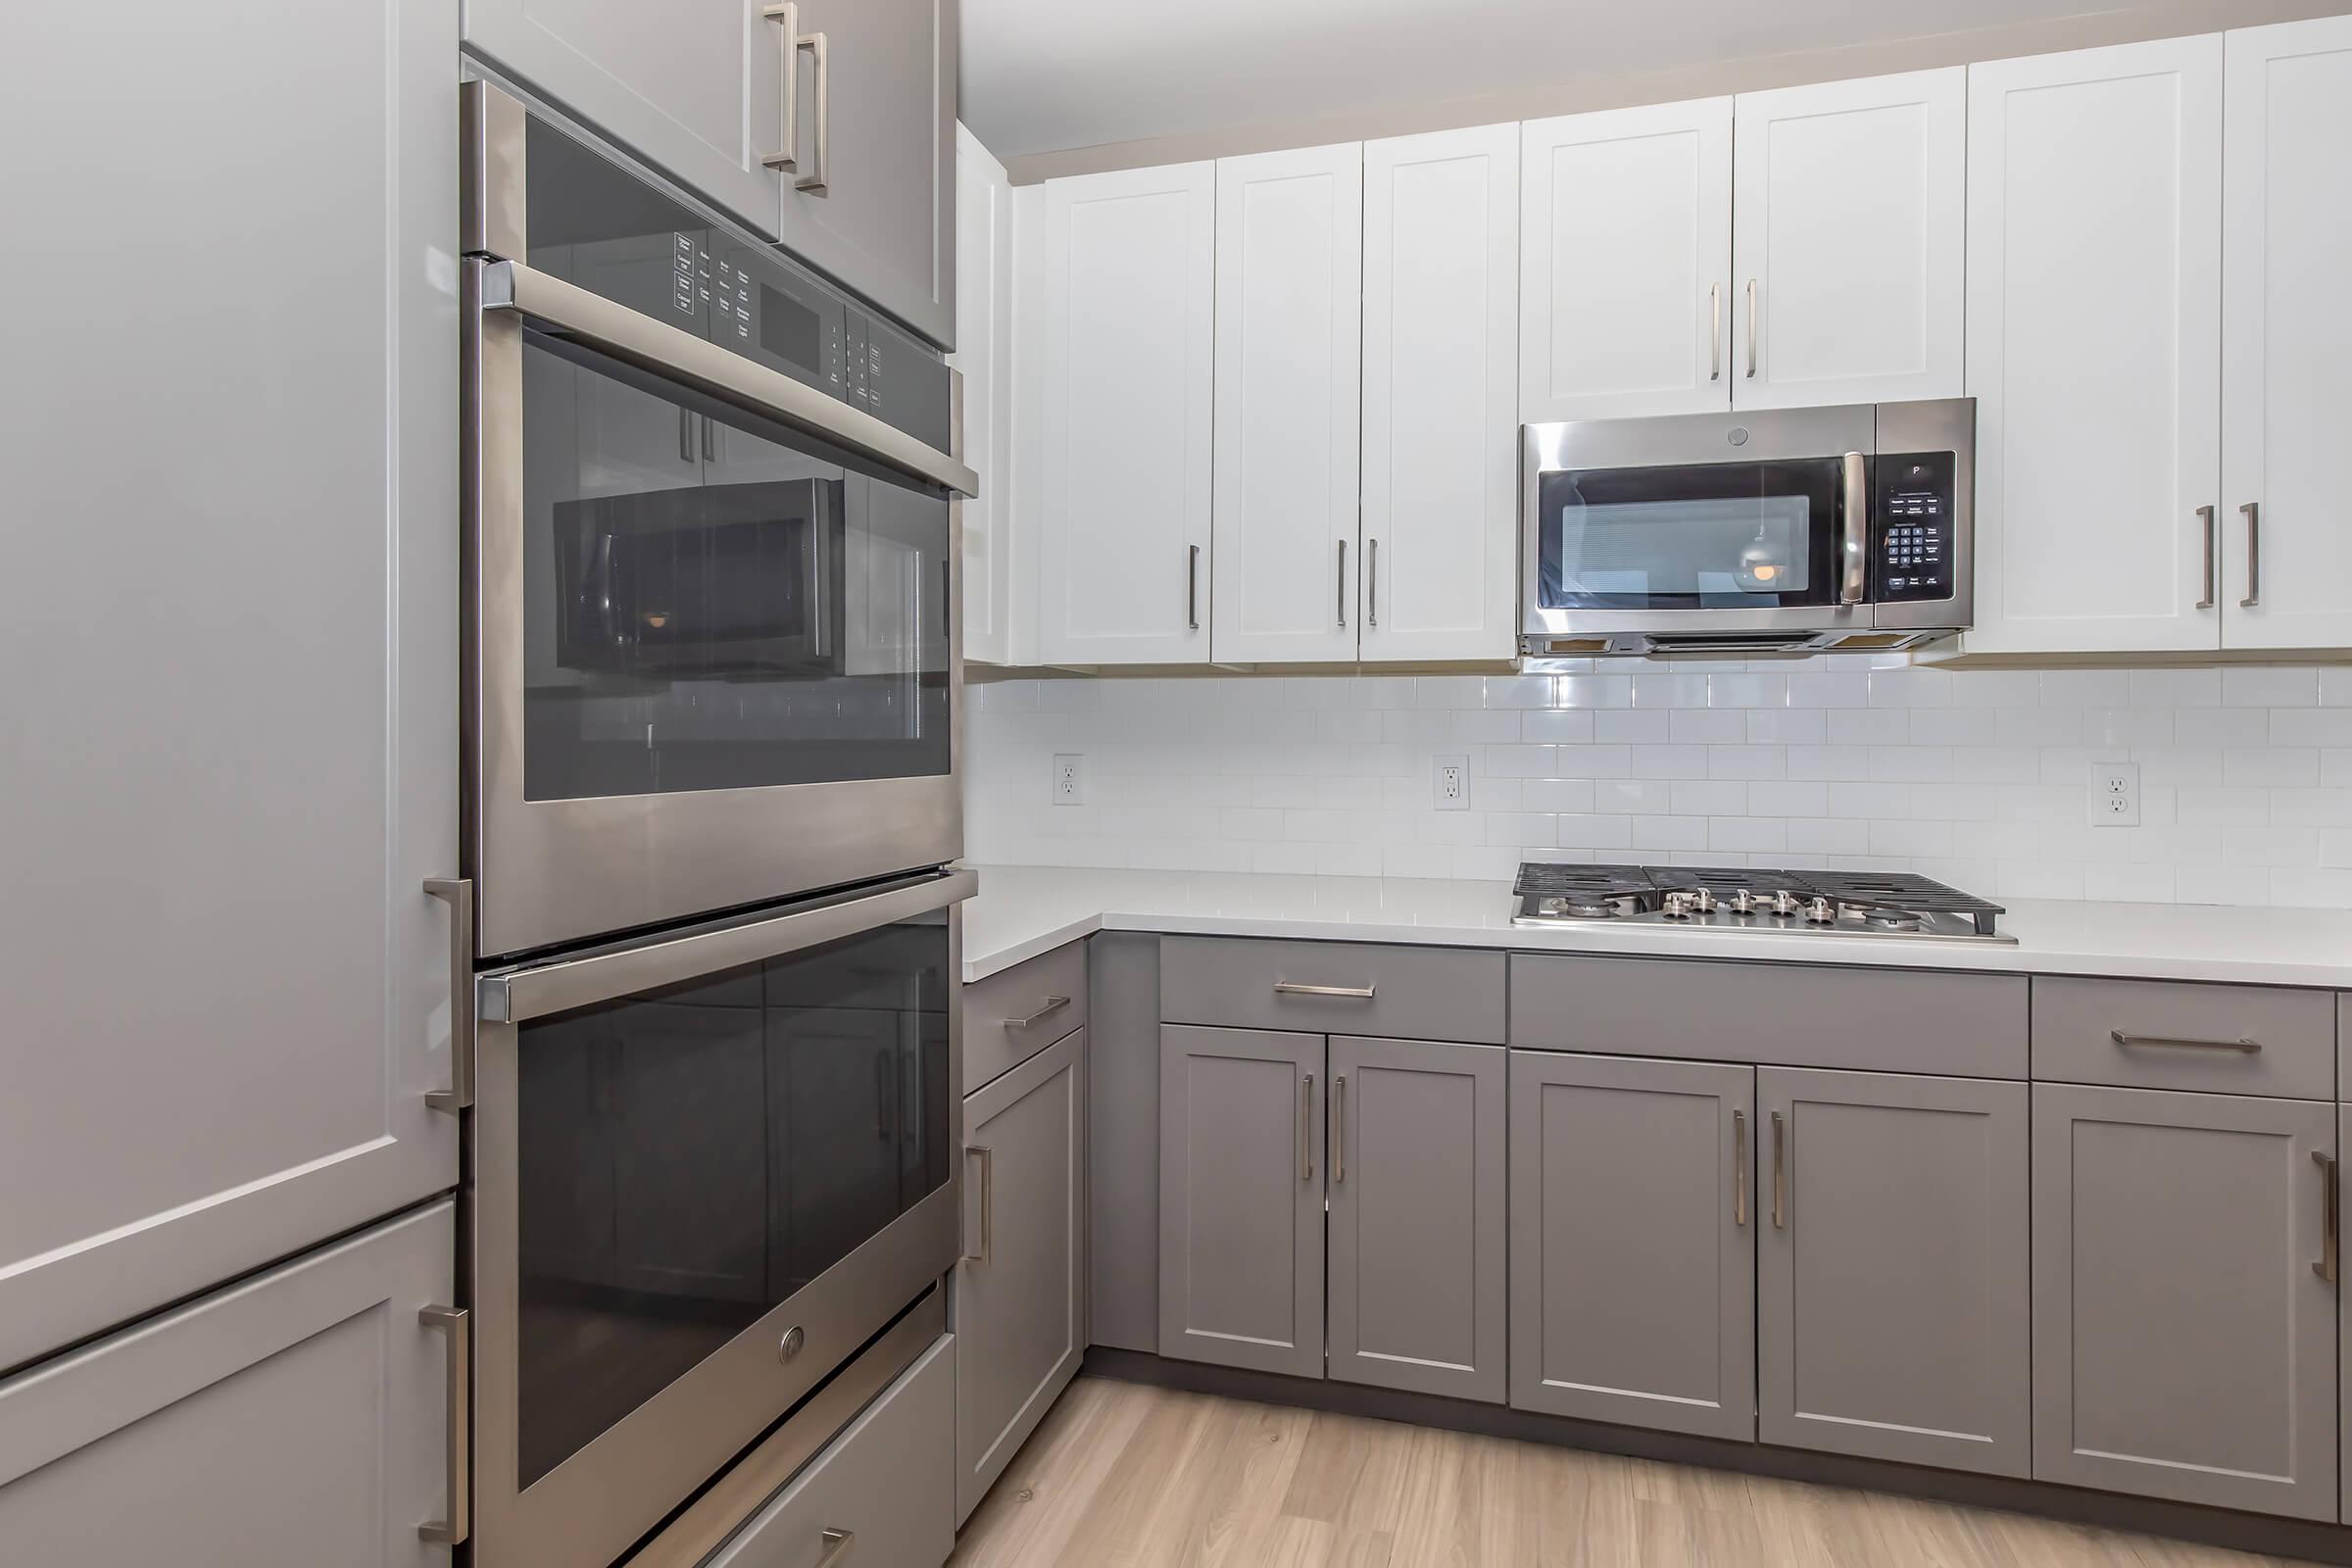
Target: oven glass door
x=673 y=1177
x=1702 y=536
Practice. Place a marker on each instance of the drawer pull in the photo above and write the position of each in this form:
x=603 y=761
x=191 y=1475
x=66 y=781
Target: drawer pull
x=1780 y=1173
x=1054 y=1005
x=988 y=1205
x=1306 y=1128
x=2330 y=1240
x=1339 y=1128
x=838 y=1544
x=1287 y=988
x=1740 y=1169
x=458 y=1327
x=2244 y=1048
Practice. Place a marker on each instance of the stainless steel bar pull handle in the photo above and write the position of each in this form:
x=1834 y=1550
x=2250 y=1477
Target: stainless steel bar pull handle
x=2253 y=516
x=1054 y=1005
x=2242 y=1046
x=988 y=1203
x=2213 y=550
x=1855 y=471
x=1372 y=583
x=2330 y=1240
x=685 y=436
x=1288 y=988
x=1751 y=329
x=458 y=1327
x=815 y=181
x=1339 y=591
x=710 y=442
x=1338 y=1129
x=786 y=155
x=1780 y=1173
x=1192 y=587
x=1740 y=1169
x=457 y=894
x=1306 y=1128
x=1715 y=332
x=838 y=1544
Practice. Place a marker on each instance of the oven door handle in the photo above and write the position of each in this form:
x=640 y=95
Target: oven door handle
x=1855 y=487
x=517 y=995
x=567 y=311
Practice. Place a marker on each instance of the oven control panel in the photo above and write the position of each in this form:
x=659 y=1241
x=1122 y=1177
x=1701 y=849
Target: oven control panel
x=1911 y=533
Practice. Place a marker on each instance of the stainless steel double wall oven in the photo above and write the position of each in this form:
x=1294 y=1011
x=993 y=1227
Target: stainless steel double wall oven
x=712 y=708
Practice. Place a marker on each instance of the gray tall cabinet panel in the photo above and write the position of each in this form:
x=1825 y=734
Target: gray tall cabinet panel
x=1020 y=1291
x=295 y=1418
x=1633 y=1253
x=231 y=747
x=2183 y=1341
x=1417 y=1187
x=1241 y=1198
x=1893 y=1295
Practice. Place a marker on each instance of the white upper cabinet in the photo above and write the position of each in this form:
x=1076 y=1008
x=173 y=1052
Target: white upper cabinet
x=984 y=355
x=1846 y=238
x=1441 y=472
x=1289 y=268
x=1129 y=269
x=2286 y=353
x=2094 y=321
x=1625 y=284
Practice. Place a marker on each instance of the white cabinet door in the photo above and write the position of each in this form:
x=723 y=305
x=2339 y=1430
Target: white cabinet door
x=232 y=748
x=1289 y=247
x=2286 y=346
x=1126 y=320
x=1441 y=470
x=695 y=87
x=2093 y=332
x=1846 y=240
x=984 y=354
x=1625 y=281
x=300 y=1417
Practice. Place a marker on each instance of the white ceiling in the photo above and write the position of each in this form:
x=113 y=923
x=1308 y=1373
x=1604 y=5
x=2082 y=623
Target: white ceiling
x=1041 y=75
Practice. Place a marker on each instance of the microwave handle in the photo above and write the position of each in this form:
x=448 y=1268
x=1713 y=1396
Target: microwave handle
x=1856 y=488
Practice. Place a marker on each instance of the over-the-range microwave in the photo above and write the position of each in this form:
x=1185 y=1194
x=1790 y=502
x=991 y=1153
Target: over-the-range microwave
x=1778 y=532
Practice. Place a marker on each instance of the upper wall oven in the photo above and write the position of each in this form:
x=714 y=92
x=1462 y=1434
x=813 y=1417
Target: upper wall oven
x=711 y=579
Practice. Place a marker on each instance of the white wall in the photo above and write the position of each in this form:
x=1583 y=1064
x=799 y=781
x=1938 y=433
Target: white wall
x=1976 y=777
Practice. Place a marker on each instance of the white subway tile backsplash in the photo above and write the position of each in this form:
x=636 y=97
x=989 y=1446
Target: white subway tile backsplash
x=1977 y=776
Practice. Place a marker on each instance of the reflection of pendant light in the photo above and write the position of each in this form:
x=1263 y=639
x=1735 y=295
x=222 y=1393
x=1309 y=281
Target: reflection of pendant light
x=1760 y=565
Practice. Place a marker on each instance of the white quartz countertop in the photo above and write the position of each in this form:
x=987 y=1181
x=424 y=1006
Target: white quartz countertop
x=1022 y=911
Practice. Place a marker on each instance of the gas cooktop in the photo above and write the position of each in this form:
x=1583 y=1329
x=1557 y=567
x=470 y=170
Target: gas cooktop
x=1703 y=898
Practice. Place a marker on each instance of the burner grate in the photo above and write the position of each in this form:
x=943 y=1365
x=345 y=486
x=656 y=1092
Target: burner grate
x=1561 y=879
x=1903 y=890
x=1721 y=879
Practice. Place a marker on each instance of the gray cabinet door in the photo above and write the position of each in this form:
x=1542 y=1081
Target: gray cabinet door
x=1891 y=1294
x=1416 y=1230
x=1020 y=1291
x=1241 y=1198
x=2183 y=1341
x=885 y=221
x=231 y=745
x=1632 y=1252
x=300 y=1417
x=694 y=87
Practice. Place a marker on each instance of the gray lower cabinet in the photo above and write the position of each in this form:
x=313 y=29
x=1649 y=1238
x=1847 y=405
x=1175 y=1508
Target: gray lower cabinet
x=1633 y=1253
x=881 y=132
x=1892 y=1257
x=228 y=991
x=1417 y=1187
x=2344 y=1351
x=1021 y=1292
x=299 y=1417
x=2185 y=1341
x=878 y=1496
x=1241 y=1198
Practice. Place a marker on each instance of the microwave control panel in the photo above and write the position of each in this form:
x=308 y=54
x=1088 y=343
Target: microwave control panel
x=1912 y=558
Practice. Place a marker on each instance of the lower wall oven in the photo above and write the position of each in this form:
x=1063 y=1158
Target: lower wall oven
x=708 y=1168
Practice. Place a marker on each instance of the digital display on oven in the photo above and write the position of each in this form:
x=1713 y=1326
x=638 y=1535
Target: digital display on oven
x=788 y=328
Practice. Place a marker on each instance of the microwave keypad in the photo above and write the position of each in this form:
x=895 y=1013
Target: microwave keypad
x=1914 y=531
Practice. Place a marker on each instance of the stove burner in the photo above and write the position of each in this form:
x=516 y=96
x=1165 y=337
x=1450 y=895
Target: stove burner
x=1890 y=919
x=1862 y=904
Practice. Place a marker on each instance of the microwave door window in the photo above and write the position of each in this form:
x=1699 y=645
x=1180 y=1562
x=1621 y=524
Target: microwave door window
x=1714 y=537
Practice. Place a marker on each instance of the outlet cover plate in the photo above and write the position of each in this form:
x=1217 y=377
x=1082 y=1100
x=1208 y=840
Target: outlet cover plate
x=1069 y=779
x=1449 y=783
x=2113 y=795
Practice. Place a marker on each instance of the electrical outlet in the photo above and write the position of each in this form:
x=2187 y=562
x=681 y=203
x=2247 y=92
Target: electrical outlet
x=1069 y=779
x=1451 y=783
x=2115 y=795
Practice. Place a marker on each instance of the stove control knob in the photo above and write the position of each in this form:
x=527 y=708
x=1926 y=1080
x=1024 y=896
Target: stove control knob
x=1744 y=903
x=1679 y=906
x=1821 y=911
x=1703 y=901
x=1785 y=903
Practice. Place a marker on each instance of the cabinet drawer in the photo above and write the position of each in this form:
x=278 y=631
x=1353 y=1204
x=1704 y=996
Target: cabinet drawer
x=1778 y=1014
x=997 y=1032
x=1334 y=988
x=888 y=1481
x=2147 y=1034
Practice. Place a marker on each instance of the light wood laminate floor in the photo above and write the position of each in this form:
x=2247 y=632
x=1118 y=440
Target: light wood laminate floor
x=1125 y=1475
